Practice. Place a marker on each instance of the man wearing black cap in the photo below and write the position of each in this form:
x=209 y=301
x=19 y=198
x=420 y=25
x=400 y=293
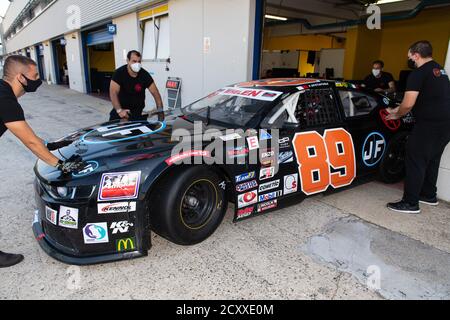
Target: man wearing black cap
x=21 y=76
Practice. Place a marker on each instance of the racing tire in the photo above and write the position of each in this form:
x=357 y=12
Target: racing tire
x=392 y=167
x=188 y=205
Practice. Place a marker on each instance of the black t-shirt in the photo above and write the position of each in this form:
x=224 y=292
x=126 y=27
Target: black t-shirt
x=132 y=90
x=382 y=82
x=10 y=109
x=433 y=85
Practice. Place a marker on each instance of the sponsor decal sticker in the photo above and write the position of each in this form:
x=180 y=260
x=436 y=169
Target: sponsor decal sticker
x=286 y=157
x=230 y=137
x=255 y=94
x=247 y=186
x=238 y=152
x=244 y=213
x=270 y=196
x=121 y=227
x=119 y=186
x=269 y=186
x=90 y=168
x=284 y=143
x=267 y=173
x=96 y=233
x=68 y=217
x=265 y=135
x=247 y=199
x=124 y=245
x=245 y=177
x=51 y=215
x=267 y=206
x=290 y=184
x=253 y=143
x=374 y=149
x=189 y=154
x=118 y=207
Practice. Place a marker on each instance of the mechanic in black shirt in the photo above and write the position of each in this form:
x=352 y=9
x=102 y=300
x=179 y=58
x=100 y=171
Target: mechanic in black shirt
x=21 y=76
x=380 y=81
x=428 y=92
x=128 y=87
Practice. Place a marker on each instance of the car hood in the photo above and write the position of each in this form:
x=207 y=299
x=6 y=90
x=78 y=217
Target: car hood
x=112 y=145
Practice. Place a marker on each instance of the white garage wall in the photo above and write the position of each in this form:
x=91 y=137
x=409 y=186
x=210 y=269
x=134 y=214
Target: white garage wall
x=75 y=62
x=49 y=65
x=127 y=37
x=229 y=24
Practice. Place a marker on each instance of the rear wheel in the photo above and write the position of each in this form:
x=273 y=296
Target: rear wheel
x=188 y=205
x=392 y=168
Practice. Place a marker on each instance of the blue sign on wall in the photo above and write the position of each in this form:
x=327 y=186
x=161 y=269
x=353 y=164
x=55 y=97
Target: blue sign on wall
x=112 y=29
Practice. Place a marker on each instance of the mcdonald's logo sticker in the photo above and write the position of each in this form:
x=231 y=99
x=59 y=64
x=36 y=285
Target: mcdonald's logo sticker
x=128 y=244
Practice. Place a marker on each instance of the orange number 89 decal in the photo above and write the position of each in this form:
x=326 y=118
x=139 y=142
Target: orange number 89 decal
x=317 y=156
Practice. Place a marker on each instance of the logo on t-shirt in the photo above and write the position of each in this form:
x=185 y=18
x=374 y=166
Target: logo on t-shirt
x=437 y=72
x=138 y=87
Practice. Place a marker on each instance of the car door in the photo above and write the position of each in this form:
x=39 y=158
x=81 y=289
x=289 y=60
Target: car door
x=359 y=109
x=323 y=154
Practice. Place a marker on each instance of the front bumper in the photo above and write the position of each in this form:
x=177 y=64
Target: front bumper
x=69 y=246
x=50 y=248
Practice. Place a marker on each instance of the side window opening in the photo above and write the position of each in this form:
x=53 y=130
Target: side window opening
x=317 y=107
x=357 y=103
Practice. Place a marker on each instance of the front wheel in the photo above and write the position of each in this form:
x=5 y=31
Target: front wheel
x=188 y=205
x=392 y=168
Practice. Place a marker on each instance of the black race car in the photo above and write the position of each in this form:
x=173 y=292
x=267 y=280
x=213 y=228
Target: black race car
x=261 y=145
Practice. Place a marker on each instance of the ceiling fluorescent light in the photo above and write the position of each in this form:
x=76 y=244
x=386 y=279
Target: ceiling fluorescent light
x=268 y=16
x=388 y=1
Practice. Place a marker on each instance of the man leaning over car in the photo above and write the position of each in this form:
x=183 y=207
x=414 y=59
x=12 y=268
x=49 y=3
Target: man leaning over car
x=20 y=77
x=127 y=91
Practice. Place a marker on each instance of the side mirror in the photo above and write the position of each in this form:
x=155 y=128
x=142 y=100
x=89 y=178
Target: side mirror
x=291 y=126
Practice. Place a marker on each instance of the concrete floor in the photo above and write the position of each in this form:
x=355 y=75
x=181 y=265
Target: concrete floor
x=340 y=246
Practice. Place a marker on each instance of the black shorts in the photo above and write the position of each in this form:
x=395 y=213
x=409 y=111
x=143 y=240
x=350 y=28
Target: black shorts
x=136 y=115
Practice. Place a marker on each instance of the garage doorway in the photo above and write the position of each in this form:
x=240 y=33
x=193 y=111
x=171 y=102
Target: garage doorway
x=100 y=62
x=60 y=62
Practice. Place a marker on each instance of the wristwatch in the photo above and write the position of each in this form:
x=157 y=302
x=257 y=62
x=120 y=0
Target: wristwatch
x=119 y=111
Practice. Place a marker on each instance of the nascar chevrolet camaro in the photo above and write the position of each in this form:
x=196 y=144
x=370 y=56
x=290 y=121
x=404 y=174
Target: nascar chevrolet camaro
x=260 y=145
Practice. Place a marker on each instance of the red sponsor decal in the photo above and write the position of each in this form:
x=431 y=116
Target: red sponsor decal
x=185 y=155
x=243 y=213
x=116 y=186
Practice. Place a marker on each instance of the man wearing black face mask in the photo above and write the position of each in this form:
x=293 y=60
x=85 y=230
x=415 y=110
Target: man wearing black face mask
x=428 y=96
x=21 y=76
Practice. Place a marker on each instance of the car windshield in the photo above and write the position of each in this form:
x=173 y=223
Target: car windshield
x=231 y=106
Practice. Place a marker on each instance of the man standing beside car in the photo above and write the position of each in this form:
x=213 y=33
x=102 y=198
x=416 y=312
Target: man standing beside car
x=127 y=90
x=428 y=92
x=20 y=76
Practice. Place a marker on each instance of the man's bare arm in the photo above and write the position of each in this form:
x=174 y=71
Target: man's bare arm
x=24 y=133
x=114 y=91
x=409 y=101
x=157 y=96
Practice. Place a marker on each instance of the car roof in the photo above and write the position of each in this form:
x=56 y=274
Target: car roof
x=292 y=84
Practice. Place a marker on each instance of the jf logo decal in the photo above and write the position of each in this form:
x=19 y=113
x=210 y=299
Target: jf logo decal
x=373 y=149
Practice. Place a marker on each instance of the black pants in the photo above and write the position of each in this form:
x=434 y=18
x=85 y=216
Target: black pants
x=423 y=157
x=136 y=115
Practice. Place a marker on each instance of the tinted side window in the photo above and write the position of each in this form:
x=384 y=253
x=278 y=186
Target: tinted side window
x=357 y=103
x=317 y=107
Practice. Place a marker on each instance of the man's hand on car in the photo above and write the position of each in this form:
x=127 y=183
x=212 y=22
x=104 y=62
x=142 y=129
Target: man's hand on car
x=73 y=165
x=124 y=113
x=52 y=146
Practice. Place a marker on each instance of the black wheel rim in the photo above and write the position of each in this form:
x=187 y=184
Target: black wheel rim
x=198 y=204
x=395 y=158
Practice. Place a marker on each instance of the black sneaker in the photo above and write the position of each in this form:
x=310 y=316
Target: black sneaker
x=404 y=207
x=429 y=201
x=9 y=260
